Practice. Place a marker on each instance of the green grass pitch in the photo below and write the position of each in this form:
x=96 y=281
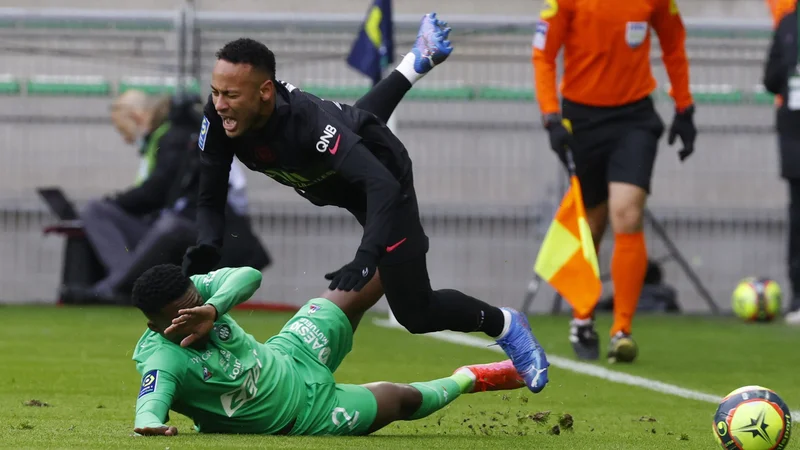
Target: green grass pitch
x=77 y=361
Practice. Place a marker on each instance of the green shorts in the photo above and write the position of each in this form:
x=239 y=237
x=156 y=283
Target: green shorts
x=318 y=337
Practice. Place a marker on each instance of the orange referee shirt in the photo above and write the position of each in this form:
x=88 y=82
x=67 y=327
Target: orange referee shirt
x=607 y=51
x=779 y=8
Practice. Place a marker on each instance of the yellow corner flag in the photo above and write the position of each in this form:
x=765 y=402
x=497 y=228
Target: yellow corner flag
x=567 y=259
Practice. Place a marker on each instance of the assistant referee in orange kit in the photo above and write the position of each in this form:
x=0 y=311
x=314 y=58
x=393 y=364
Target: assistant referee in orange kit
x=605 y=93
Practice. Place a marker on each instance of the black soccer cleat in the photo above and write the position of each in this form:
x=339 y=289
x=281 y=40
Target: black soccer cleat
x=622 y=348
x=584 y=339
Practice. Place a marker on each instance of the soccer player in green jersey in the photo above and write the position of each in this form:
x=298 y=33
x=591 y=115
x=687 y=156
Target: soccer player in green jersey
x=197 y=361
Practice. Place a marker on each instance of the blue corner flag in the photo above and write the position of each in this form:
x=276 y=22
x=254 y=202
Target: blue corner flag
x=373 y=49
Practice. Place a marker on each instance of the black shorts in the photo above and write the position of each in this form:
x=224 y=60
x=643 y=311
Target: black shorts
x=613 y=144
x=407 y=240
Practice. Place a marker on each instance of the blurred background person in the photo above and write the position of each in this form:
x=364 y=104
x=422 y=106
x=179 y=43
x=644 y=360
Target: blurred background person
x=615 y=130
x=781 y=77
x=153 y=221
x=780 y=8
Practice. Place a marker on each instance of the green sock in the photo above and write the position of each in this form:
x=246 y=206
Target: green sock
x=439 y=393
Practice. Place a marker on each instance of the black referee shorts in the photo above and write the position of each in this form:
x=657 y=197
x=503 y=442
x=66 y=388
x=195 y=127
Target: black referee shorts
x=613 y=144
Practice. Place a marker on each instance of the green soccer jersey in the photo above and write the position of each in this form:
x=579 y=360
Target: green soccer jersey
x=233 y=385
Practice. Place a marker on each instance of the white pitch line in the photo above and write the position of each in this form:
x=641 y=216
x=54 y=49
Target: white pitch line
x=575 y=366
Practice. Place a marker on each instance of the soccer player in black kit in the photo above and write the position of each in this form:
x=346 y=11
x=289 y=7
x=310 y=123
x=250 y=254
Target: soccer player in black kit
x=345 y=156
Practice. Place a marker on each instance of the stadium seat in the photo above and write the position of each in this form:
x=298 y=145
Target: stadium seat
x=716 y=94
x=490 y=93
x=68 y=86
x=336 y=92
x=155 y=85
x=9 y=85
x=464 y=93
x=94 y=86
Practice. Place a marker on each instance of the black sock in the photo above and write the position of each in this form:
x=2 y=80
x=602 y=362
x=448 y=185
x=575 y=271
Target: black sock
x=420 y=309
x=384 y=97
x=467 y=314
x=494 y=321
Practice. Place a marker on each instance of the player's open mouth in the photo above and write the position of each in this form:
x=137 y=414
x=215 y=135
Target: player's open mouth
x=229 y=124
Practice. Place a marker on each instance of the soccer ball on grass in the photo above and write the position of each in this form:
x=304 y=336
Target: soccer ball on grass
x=753 y=418
x=757 y=299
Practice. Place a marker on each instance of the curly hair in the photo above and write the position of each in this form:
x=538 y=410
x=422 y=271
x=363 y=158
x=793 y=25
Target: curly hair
x=249 y=51
x=159 y=286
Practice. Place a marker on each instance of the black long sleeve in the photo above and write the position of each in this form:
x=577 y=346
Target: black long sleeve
x=777 y=68
x=216 y=155
x=151 y=194
x=383 y=194
x=211 y=201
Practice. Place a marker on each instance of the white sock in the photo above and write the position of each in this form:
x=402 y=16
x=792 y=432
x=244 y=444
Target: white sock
x=406 y=67
x=506 y=324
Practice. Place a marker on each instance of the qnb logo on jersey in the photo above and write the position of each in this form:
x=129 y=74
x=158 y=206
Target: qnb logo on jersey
x=232 y=401
x=325 y=140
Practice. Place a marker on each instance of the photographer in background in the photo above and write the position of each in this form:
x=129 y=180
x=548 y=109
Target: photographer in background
x=782 y=78
x=115 y=224
x=153 y=222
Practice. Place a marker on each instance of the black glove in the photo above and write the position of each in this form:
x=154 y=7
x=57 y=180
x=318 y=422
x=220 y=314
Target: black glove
x=560 y=137
x=683 y=126
x=200 y=259
x=354 y=275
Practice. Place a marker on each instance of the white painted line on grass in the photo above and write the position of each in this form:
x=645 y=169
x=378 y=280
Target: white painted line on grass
x=575 y=366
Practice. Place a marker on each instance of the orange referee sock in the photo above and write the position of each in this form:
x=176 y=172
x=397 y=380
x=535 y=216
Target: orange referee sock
x=628 y=268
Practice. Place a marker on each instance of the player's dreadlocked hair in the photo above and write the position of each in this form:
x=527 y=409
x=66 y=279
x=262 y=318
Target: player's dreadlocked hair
x=159 y=286
x=249 y=51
